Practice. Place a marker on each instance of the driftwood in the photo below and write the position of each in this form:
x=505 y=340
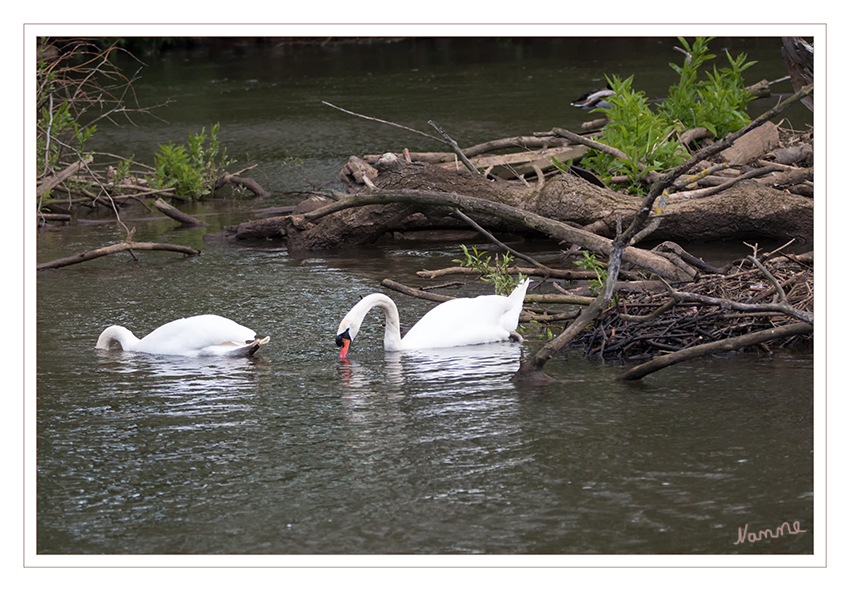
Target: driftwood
x=547 y=272
x=531 y=370
x=60 y=177
x=799 y=58
x=453 y=144
x=247 y=182
x=114 y=248
x=752 y=145
x=724 y=346
x=54 y=217
x=174 y=213
x=592 y=242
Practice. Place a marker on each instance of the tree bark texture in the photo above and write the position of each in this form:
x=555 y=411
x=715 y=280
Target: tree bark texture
x=748 y=210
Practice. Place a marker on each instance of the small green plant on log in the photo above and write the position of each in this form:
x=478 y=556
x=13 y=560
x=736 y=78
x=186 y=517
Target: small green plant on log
x=589 y=263
x=498 y=274
x=192 y=170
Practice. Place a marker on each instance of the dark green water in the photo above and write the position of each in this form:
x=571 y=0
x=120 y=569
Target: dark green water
x=418 y=453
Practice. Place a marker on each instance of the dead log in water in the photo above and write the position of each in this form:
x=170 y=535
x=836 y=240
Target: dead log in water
x=114 y=248
x=174 y=213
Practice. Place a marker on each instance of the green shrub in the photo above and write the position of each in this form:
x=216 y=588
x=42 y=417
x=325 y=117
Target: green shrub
x=647 y=138
x=718 y=103
x=190 y=171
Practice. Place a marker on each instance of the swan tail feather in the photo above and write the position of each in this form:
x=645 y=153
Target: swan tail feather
x=254 y=347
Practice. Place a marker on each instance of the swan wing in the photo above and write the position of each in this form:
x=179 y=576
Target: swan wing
x=468 y=321
x=207 y=334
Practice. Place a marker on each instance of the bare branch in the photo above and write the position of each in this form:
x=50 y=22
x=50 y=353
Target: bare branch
x=112 y=249
x=442 y=141
x=725 y=345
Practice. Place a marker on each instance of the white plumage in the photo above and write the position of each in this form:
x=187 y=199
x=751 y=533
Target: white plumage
x=196 y=336
x=458 y=322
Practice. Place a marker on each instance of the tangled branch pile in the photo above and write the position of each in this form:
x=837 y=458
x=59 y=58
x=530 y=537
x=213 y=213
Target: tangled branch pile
x=717 y=307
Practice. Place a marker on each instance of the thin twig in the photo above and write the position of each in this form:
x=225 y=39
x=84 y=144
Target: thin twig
x=386 y=122
x=590 y=143
x=462 y=216
x=469 y=165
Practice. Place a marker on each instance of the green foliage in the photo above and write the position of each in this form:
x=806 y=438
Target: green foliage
x=503 y=282
x=718 y=103
x=643 y=136
x=589 y=263
x=190 y=171
x=646 y=138
x=122 y=171
x=58 y=135
x=562 y=166
x=534 y=329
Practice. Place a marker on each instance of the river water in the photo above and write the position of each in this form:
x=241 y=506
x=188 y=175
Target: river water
x=438 y=452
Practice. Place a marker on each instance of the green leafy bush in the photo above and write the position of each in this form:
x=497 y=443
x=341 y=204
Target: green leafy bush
x=643 y=136
x=647 y=138
x=190 y=171
x=718 y=103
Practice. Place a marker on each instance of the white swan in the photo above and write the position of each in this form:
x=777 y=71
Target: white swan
x=207 y=334
x=458 y=322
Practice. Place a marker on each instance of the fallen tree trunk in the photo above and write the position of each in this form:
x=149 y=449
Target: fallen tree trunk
x=592 y=242
x=747 y=210
x=114 y=248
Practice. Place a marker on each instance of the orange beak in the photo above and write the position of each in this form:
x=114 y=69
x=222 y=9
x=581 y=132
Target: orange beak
x=344 y=347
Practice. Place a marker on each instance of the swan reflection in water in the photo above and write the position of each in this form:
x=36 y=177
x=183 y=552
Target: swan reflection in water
x=447 y=369
x=193 y=388
x=378 y=398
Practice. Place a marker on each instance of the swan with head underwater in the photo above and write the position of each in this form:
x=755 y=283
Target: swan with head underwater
x=196 y=336
x=455 y=323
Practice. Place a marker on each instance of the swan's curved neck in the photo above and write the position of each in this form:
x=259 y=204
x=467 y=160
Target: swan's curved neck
x=392 y=331
x=117 y=334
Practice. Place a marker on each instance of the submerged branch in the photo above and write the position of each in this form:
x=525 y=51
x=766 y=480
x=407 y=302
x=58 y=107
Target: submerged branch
x=723 y=346
x=114 y=248
x=176 y=214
